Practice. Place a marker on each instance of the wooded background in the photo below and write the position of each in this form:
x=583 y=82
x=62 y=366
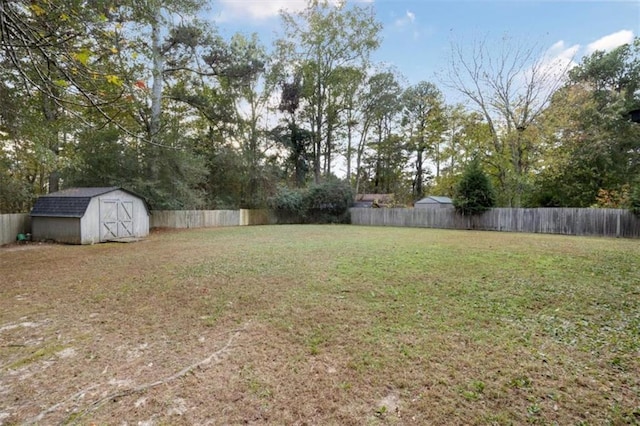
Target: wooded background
x=147 y=96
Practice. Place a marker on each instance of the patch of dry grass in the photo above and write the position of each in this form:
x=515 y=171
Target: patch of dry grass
x=322 y=325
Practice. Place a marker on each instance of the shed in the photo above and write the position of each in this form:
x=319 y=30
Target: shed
x=90 y=215
x=433 y=202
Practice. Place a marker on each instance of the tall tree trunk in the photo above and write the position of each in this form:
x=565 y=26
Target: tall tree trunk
x=51 y=114
x=329 y=148
x=438 y=159
x=318 y=122
x=348 y=155
x=419 y=171
x=156 y=94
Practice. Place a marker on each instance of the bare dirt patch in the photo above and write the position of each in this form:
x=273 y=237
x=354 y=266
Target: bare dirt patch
x=321 y=325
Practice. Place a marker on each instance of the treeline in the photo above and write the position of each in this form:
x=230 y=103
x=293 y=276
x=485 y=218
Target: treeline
x=146 y=96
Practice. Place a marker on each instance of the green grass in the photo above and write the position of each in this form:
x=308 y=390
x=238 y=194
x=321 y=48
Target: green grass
x=465 y=327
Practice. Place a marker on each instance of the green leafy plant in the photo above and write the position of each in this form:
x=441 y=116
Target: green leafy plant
x=328 y=202
x=634 y=198
x=288 y=204
x=474 y=192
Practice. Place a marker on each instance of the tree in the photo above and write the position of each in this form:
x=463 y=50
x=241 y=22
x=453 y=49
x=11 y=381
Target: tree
x=634 y=202
x=590 y=145
x=292 y=136
x=474 y=193
x=466 y=136
x=318 y=41
x=60 y=54
x=60 y=47
x=247 y=82
x=382 y=109
x=510 y=85
x=423 y=115
x=349 y=86
x=379 y=94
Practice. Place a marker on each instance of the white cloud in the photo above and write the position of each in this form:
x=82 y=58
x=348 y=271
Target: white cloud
x=546 y=72
x=264 y=9
x=408 y=19
x=556 y=61
x=561 y=56
x=411 y=16
x=258 y=10
x=611 y=41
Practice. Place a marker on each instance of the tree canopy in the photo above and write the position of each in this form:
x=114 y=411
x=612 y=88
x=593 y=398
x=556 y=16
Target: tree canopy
x=148 y=96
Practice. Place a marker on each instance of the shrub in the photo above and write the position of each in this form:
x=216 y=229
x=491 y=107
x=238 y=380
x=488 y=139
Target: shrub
x=614 y=199
x=474 y=193
x=288 y=204
x=634 y=198
x=329 y=202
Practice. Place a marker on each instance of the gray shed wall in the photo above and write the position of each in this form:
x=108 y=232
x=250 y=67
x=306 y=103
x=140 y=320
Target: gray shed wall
x=60 y=229
x=433 y=205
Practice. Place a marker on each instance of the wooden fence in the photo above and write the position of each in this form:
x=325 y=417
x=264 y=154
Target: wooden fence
x=209 y=218
x=193 y=218
x=567 y=221
x=13 y=224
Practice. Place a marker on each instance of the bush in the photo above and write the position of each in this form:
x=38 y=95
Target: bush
x=474 y=193
x=288 y=205
x=328 y=202
x=634 y=198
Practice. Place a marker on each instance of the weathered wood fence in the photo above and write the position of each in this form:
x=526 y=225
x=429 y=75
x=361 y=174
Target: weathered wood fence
x=209 y=218
x=567 y=221
x=13 y=224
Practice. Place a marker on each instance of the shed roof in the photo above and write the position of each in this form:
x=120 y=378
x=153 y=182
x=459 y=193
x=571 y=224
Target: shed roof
x=82 y=192
x=435 y=200
x=72 y=202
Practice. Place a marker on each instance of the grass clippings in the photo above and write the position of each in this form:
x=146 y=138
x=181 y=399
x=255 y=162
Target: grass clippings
x=322 y=325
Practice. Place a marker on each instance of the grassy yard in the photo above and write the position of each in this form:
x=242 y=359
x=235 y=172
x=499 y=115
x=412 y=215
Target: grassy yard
x=322 y=325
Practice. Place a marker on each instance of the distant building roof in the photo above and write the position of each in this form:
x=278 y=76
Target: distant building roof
x=373 y=200
x=372 y=197
x=72 y=202
x=362 y=204
x=435 y=200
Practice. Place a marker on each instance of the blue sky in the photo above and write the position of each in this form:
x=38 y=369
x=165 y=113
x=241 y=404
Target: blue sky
x=417 y=33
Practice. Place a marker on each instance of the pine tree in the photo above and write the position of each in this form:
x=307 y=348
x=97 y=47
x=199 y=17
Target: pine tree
x=474 y=192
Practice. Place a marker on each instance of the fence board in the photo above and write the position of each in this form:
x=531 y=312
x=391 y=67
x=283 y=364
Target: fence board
x=193 y=218
x=13 y=224
x=567 y=221
x=210 y=218
x=257 y=217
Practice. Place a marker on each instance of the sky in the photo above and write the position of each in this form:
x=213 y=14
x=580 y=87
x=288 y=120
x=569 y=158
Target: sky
x=417 y=34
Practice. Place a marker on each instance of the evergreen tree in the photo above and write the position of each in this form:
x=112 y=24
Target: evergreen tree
x=474 y=193
x=634 y=202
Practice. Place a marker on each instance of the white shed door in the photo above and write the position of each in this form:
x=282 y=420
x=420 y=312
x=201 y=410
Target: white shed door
x=116 y=219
